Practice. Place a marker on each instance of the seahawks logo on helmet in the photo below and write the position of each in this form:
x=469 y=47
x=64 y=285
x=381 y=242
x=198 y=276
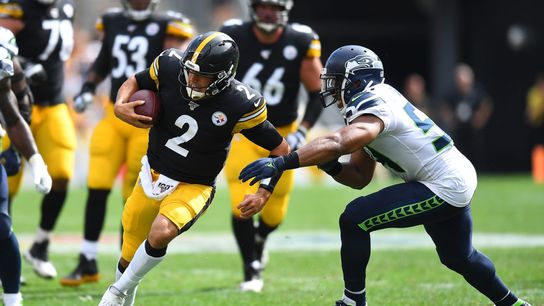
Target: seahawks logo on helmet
x=362 y=62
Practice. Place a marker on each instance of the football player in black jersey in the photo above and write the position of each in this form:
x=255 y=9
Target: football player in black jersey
x=203 y=106
x=44 y=33
x=132 y=38
x=18 y=130
x=276 y=58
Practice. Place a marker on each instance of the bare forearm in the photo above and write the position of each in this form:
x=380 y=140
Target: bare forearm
x=319 y=151
x=22 y=139
x=126 y=90
x=353 y=177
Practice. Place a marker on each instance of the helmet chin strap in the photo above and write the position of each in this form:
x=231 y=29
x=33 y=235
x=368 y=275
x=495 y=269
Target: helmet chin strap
x=194 y=95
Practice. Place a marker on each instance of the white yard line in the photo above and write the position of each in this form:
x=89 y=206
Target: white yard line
x=291 y=241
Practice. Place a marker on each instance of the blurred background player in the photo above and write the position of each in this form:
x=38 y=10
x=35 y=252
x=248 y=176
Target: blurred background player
x=132 y=38
x=18 y=130
x=466 y=112
x=44 y=33
x=203 y=107
x=276 y=57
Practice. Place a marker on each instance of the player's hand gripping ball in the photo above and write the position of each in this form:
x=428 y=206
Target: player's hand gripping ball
x=152 y=106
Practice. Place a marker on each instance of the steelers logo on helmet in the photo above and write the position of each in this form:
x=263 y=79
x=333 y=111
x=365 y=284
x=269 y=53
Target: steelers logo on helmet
x=139 y=10
x=265 y=21
x=349 y=70
x=209 y=65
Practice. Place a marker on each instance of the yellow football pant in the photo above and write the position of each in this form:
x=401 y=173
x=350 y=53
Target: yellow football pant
x=54 y=132
x=114 y=143
x=243 y=152
x=183 y=207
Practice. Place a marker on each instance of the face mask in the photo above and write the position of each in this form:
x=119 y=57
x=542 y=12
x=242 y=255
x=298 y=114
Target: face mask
x=195 y=95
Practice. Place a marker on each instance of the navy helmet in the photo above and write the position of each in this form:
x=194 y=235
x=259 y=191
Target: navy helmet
x=349 y=70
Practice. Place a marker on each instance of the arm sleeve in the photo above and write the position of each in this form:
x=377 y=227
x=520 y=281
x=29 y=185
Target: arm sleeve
x=372 y=104
x=101 y=65
x=313 y=108
x=149 y=78
x=144 y=80
x=314 y=49
x=255 y=115
x=264 y=135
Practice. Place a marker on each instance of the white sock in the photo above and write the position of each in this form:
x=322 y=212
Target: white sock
x=118 y=273
x=13 y=299
x=42 y=235
x=89 y=249
x=137 y=269
x=131 y=293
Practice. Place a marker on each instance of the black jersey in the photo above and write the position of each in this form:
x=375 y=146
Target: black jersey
x=191 y=140
x=274 y=70
x=130 y=46
x=47 y=38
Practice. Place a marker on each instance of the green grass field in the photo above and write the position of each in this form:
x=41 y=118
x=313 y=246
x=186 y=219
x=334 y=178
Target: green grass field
x=502 y=205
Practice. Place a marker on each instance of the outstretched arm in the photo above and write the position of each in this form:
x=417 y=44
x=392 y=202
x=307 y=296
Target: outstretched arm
x=347 y=140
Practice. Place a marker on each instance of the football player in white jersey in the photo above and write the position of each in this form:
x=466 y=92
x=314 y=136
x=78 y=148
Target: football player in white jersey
x=439 y=182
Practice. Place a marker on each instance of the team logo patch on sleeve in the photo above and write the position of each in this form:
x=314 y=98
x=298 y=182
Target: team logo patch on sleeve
x=219 y=118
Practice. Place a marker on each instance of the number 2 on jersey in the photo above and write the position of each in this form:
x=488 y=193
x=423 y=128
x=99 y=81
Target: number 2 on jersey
x=174 y=143
x=425 y=124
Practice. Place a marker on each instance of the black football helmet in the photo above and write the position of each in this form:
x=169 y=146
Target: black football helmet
x=140 y=14
x=281 y=20
x=349 y=70
x=213 y=55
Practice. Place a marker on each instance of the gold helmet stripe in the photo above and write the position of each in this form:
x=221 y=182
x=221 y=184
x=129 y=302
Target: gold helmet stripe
x=203 y=44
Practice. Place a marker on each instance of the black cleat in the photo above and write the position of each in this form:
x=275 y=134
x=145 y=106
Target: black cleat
x=38 y=257
x=85 y=272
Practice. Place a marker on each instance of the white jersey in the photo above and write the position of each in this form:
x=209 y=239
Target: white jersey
x=413 y=147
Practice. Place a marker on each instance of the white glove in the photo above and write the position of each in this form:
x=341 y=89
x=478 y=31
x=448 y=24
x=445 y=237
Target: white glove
x=82 y=101
x=297 y=139
x=42 y=179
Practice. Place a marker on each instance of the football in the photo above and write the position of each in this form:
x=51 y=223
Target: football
x=151 y=107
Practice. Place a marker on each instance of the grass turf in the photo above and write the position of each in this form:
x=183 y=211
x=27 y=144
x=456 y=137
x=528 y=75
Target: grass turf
x=502 y=204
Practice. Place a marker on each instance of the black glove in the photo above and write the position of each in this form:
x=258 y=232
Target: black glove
x=262 y=168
